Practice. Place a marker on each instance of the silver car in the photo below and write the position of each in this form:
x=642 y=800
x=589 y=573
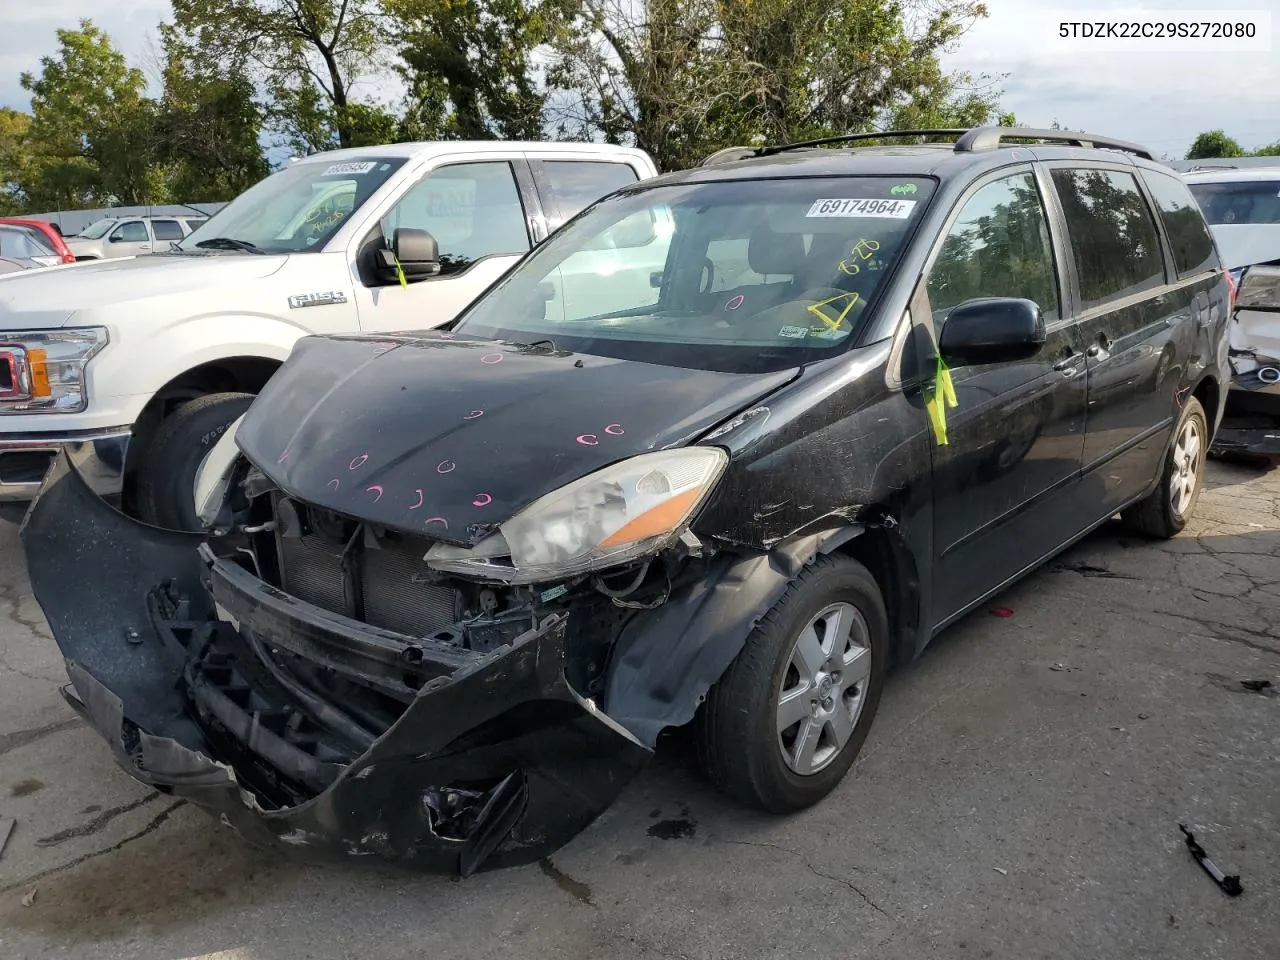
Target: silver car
x=113 y=237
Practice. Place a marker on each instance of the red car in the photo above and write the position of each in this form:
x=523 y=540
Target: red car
x=50 y=233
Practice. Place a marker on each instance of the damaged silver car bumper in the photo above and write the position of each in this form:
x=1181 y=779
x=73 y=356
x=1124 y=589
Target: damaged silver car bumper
x=177 y=658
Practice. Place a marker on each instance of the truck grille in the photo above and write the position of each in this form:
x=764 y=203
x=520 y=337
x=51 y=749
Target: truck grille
x=312 y=571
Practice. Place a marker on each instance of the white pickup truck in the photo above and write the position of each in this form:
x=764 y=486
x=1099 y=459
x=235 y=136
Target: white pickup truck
x=137 y=365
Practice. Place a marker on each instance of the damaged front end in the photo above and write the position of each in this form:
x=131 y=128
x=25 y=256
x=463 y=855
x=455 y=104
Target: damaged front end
x=1251 y=426
x=306 y=678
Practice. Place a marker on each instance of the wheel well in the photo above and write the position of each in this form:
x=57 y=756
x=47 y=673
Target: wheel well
x=231 y=375
x=886 y=557
x=1209 y=393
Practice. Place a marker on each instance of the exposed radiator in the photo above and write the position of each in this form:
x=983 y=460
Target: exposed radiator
x=312 y=572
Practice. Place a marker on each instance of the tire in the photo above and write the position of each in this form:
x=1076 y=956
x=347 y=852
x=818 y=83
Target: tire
x=167 y=474
x=736 y=732
x=1165 y=512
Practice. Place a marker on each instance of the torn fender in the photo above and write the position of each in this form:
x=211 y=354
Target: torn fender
x=496 y=761
x=665 y=662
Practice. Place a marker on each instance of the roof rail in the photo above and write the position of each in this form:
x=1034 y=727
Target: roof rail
x=989 y=138
x=973 y=140
x=851 y=137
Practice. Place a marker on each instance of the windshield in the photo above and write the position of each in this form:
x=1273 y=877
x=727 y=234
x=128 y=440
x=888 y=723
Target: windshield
x=98 y=228
x=740 y=276
x=1239 y=201
x=296 y=210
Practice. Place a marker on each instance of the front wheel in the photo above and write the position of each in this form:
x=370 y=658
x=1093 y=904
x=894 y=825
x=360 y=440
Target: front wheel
x=167 y=475
x=784 y=724
x=1165 y=512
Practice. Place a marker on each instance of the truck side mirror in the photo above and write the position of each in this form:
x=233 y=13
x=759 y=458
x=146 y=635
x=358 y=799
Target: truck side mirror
x=416 y=253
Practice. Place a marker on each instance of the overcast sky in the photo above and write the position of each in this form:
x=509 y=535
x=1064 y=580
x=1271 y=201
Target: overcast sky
x=1158 y=97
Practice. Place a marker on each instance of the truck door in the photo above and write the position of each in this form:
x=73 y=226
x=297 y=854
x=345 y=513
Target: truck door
x=477 y=211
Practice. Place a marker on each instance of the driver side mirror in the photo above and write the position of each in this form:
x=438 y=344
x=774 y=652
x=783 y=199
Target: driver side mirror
x=416 y=252
x=992 y=330
x=114 y=238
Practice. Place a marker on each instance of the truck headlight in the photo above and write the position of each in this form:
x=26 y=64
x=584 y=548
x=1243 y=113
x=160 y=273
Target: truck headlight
x=42 y=371
x=613 y=516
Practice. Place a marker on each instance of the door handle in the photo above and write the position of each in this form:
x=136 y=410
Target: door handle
x=1067 y=362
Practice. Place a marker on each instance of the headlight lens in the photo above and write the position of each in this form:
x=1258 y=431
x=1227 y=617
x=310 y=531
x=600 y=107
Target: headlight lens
x=43 y=371
x=613 y=516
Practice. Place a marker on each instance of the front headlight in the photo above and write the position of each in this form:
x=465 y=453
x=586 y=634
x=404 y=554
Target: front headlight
x=43 y=371
x=610 y=517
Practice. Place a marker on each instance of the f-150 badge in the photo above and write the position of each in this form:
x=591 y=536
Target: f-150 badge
x=317 y=299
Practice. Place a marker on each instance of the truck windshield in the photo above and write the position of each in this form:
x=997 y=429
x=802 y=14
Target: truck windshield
x=739 y=276
x=98 y=228
x=296 y=210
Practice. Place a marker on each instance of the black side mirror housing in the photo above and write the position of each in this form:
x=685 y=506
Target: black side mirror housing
x=992 y=330
x=114 y=238
x=416 y=253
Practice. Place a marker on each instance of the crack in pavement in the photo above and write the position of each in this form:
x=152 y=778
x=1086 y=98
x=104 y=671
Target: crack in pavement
x=814 y=870
x=97 y=823
x=156 y=822
x=9 y=594
x=20 y=738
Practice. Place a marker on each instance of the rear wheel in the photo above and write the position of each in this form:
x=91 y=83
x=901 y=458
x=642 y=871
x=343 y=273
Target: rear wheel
x=1166 y=511
x=167 y=475
x=786 y=721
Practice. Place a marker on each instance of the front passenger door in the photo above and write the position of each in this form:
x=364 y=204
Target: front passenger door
x=129 y=239
x=475 y=212
x=1002 y=480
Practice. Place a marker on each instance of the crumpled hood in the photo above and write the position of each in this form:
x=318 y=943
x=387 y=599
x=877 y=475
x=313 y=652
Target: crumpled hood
x=448 y=437
x=1244 y=244
x=49 y=298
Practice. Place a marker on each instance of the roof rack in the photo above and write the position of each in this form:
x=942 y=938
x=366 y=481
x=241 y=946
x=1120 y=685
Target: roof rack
x=989 y=138
x=975 y=140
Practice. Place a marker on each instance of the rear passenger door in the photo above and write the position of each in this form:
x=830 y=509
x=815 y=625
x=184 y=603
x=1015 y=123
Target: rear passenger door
x=166 y=232
x=1004 y=478
x=1135 y=323
x=626 y=262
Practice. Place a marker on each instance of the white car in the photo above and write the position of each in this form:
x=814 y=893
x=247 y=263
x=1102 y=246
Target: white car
x=137 y=365
x=1242 y=208
x=113 y=237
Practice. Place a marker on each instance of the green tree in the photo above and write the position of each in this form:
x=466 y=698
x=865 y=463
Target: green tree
x=306 y=53
x=683 y=77
x=92 y=128
x=1213 y=143
x=15 y=160
x=1270 y=150
x=468 y=65
x=209 y=125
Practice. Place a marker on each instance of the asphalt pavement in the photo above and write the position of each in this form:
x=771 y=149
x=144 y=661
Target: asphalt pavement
x=1019 y=797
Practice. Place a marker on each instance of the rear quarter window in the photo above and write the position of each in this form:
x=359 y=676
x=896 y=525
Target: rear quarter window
x=1113 y=237
x=1183 y=222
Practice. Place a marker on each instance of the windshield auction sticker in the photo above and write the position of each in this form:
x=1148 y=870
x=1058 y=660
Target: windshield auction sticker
x=881 y=209
x=339 y=168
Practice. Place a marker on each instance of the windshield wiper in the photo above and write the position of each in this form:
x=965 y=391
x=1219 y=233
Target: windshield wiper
x=546 y=344
x=229 y=243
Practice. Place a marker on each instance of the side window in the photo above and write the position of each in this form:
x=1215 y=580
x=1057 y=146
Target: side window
x=17 y=242
x=166 y=229
x=576 y=184
x=135 y=231
x=999 y=246
x=1188 y=236
x=472 y=209
x=1113 y=237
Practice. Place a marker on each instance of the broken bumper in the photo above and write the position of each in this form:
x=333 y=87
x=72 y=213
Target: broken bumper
x=495 y=760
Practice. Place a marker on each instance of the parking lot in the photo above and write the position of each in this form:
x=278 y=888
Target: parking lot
x=1019 y=797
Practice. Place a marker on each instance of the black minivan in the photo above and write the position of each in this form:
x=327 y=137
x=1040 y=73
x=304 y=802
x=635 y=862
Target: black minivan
x=723 y=450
